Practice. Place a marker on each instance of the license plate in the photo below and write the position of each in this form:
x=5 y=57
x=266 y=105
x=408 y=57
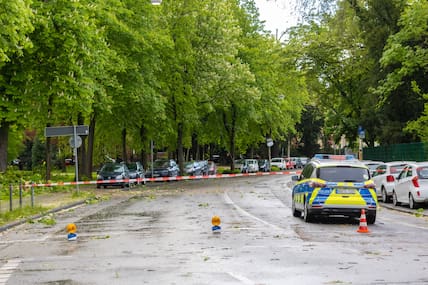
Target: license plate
x=345 y=191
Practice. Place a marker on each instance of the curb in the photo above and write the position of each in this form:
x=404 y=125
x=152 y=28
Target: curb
x=35 y=217
x=403 y=210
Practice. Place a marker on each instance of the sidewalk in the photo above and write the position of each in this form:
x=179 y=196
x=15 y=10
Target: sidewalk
x=58 y=201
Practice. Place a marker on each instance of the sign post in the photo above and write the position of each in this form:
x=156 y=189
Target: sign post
x=361 y=136
x=269 y=143
x=75 y=141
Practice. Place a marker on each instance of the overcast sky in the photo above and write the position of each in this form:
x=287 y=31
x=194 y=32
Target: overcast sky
x=277 y=14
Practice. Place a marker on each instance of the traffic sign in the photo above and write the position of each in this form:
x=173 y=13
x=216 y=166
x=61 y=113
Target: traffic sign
x=77 y=143
x=66 y=131
x=269 y=142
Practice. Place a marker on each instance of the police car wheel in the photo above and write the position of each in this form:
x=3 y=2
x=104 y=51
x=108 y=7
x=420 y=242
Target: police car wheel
x=296 y=213
x=306 y=215
x=371 y=219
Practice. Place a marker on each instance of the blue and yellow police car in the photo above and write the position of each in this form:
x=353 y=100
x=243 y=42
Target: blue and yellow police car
x=334 y=185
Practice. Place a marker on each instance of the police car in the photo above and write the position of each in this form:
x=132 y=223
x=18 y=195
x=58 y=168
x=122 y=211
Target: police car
x=331 y=185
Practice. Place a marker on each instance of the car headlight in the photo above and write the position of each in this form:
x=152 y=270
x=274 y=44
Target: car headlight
x=99 y=177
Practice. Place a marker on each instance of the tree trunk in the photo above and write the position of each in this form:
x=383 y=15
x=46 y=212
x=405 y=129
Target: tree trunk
x=48 y=158
x=231 y=131
x=143 y=153
x=180 y=152
x=124 y=155
x=87 y=170
x=83 y=163
x=4 y=139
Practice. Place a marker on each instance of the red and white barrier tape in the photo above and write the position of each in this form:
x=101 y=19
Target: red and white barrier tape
x=175 y=178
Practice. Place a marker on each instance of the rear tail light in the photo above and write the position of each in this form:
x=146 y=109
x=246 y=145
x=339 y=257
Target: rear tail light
x=415 y=182
x=390 y=178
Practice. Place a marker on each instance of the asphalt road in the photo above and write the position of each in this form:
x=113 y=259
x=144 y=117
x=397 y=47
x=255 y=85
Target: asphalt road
x=162 y=235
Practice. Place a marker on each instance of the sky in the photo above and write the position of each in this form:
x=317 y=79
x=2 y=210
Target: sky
x=277 y=14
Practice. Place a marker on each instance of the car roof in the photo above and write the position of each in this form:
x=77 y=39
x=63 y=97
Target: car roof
x=398 y=162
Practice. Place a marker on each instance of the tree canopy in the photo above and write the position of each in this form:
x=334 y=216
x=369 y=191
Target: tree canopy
x=194 y=77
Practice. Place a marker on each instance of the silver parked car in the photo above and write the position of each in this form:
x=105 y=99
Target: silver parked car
x=411 y=185
x=384 y=178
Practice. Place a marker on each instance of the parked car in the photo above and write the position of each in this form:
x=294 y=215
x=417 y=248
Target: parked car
x=264 y=165
x=163 y=168
x=212 y=167
x=193 y=168
x=290 y=163
x=411 y=185
x=278 y=162
x=113 y=171
x=247 y=165
x=384 y=178
x=297 y=162
x=304 y=160
x=136 y=171
x=372 y=165
x=204 y=166
x=334 y=187
x=252 y=165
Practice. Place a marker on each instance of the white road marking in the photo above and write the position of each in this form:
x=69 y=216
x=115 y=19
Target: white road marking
x=245 y=213
x=242 y=279
x=7 y=270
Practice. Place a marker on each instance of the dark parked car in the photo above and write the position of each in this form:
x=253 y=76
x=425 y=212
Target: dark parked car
x=264 y=165
x=136 y=171
x=163 y=168
x=113 y=171
x=194 y=168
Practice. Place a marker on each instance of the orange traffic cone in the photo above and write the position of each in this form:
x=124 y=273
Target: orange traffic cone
x=363 y=223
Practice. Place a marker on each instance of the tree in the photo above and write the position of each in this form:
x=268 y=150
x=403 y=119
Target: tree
x=15 y=19
x=406 y=55
x=69 y=58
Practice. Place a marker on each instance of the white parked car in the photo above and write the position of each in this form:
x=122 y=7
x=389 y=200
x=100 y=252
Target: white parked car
x=247 y=165
x=372 y=165
x=278 y=162
x=411 y=185
x=252 y=165
x=384 y=178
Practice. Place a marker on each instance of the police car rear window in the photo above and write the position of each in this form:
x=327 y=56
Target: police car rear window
x=342 y=174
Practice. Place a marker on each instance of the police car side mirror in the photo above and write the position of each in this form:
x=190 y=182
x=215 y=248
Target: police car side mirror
x=295 y=178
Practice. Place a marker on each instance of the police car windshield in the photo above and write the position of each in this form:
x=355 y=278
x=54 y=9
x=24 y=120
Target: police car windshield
x=343 y=174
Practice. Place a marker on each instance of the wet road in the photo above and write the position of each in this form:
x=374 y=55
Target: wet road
x=162 y=235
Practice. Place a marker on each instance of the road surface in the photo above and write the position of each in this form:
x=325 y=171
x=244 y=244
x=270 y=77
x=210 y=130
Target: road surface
x=162 y=234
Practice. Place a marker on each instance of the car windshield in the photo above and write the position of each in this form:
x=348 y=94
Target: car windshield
x=190 y=164
x=112 y=168
x=343 y=174
x=132 y=166
x=161 y=164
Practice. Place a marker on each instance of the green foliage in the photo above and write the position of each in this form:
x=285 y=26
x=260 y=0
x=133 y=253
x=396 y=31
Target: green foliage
x=187 y=74
x=406 y=53
x=48 y=220
x=21 y=213
x=15 y=20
